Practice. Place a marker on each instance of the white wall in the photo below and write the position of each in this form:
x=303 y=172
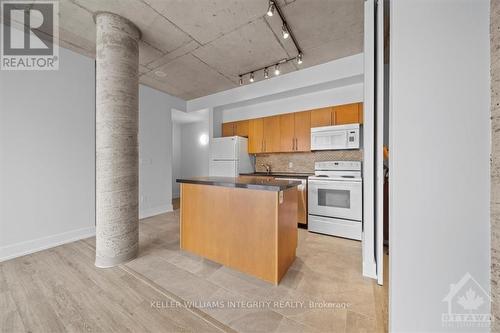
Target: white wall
x=291 y=83
x=194 y=161
x=155 y=151
x=342 y=95
x=176 y=158
x=47 y=156
x=440 y=145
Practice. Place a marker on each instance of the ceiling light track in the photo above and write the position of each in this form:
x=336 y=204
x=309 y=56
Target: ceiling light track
x=287 y=33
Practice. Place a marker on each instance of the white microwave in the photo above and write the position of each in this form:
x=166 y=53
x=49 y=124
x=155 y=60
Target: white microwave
x=336 y=137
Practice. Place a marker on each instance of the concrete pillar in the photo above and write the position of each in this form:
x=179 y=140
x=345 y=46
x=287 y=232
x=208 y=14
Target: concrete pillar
x=117 y=168
x=495 y=162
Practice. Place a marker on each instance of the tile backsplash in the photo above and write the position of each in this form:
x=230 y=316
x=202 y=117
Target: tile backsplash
x=304 y=162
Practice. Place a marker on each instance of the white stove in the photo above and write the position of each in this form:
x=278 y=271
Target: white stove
x=335 y=196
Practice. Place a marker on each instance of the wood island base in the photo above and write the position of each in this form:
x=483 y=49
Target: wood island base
x=252 y=231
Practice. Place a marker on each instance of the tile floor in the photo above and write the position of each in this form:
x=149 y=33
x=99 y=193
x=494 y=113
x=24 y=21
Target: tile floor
x=166 y=289
x=326 y=272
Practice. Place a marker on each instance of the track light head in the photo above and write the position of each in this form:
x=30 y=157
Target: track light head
x=270 y=10
x=266 y=73
x=299 y=58
x=277 y=69
x=284 y=30
x=252 y=77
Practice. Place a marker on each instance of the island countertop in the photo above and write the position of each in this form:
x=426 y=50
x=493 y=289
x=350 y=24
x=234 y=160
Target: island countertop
x=254 y=183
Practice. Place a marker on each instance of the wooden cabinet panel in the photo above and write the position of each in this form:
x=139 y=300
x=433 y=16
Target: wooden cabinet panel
x=227 y=129
x=272 y=140
x=321 y=117
x=303 y=131
x=346 y=114
x=287 y=129
x=360 y=112
x=255 y=135
x=241 y=128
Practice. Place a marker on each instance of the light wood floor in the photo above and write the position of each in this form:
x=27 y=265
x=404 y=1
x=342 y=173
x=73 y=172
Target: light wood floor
x=168 y=290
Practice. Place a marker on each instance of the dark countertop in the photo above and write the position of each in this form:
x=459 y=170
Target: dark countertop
x=278 y=174
x=254 y=183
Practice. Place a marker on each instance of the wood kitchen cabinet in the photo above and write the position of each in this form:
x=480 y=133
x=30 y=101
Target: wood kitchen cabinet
x=272 y=134
x=303 y=131
x=239 y=128
x=256 y=136
x=348 y=114
x=295 y=131
x=228 y=129
x=291 y=132
x=321 y=117
x=337 y=115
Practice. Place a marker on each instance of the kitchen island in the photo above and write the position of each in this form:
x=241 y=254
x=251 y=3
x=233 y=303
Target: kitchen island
x=246 y=223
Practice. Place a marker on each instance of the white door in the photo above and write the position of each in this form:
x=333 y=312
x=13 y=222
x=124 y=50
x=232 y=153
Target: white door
x=223 y=168
x=224 y=149
x=368 y=241
x=379 y=145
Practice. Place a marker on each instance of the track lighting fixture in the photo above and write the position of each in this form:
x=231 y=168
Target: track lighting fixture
x=270 y=10
x=299 y=58
x=285 y=32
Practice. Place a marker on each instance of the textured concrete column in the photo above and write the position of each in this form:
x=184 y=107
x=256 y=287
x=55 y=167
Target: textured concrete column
x=117 y=168
x=495 y=162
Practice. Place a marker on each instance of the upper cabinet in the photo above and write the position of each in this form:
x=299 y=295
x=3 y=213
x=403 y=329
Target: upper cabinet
x=337 y=115
x=272 y=133
x=321 y=117
x=291 y=132
x=347 y=114
x=239 y=128
x=295 y=131
x=256 y=136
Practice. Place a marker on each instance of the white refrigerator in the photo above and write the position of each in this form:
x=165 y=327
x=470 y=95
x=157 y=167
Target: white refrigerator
x=229 y=157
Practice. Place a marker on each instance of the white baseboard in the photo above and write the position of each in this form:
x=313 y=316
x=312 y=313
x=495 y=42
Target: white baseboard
x=35 y=245
x=148 y=212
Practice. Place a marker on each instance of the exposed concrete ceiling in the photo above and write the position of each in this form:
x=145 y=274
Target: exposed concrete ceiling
x=193 y=48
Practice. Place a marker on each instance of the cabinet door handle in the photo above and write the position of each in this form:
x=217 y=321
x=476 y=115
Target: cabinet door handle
x=296 y=144
x=293 y=143
x=334 y=114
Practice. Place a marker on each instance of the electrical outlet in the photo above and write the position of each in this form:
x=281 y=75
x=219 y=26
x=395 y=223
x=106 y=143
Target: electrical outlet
x=290 y=165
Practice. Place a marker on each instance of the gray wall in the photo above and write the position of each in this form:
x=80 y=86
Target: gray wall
x=440 y=145
x=176 y=158
x=47 y=155
x=155 y=150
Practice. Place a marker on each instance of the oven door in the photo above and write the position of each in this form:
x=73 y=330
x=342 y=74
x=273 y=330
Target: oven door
x=332 y=198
